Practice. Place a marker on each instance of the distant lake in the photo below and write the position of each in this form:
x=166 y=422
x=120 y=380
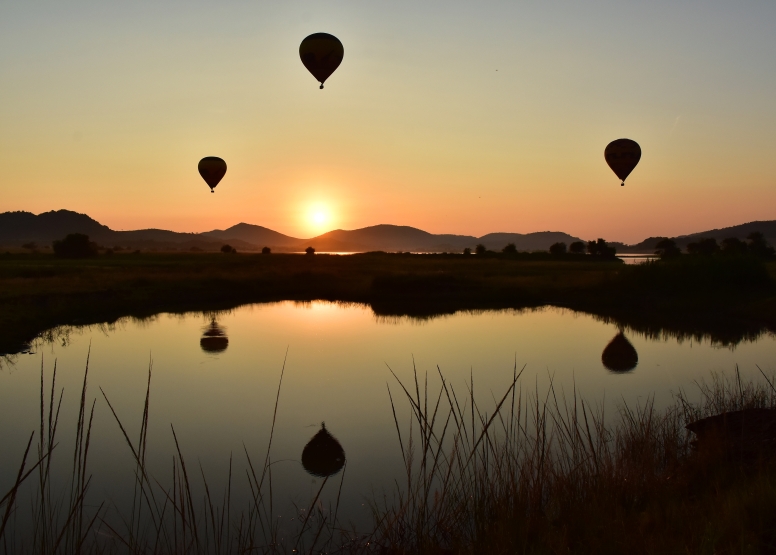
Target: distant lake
x=637 y=258
x=215 y=378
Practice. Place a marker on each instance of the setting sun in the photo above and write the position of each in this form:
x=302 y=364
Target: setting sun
x=318 y=218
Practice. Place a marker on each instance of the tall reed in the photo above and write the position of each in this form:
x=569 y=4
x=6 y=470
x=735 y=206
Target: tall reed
x=544 y=473
x=538 y=472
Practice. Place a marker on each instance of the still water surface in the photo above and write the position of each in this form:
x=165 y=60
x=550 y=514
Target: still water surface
x=337 y=360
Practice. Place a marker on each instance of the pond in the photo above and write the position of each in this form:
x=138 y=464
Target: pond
x=215 y=379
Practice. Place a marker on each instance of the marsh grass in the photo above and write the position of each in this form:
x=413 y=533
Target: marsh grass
x=537 y=472
x=727 y=297
x=546 y=473
x=182 y=515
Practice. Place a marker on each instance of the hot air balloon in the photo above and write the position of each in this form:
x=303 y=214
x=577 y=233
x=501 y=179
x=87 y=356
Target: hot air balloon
x=321 y=54
x=212 y=170
x=619 y=355
x=622 y=156
x=214 y=338
x=323 y=455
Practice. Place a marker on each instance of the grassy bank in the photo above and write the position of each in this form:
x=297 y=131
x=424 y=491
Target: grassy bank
x=547 y=474
x=531 y=473
x=729 y=298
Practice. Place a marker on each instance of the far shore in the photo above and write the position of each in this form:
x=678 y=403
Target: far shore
x=727 y=298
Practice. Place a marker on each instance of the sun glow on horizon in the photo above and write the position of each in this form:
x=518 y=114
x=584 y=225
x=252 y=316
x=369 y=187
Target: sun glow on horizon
x=318 y=218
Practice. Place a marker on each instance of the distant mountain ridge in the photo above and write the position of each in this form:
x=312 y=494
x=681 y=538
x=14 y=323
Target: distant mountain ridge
x=254 y=234
x=17 y=228
x=741 y=231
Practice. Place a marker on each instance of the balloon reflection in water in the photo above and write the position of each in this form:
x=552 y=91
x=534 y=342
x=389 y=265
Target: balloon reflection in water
x=323 y=455
x=619 y=355
x=214 y=340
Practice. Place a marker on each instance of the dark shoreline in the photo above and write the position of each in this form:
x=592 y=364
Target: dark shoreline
x=727 y=300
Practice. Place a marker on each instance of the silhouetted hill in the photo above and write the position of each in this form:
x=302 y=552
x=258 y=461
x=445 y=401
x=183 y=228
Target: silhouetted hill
x=254 y=234
x=22 y=227
x=17 y=228
x=538 y=241
x=767 y=228
x=385 y=237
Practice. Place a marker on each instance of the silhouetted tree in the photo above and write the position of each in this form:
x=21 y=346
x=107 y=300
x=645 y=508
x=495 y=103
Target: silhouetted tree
x=467 y=251
x=309 y=251
x=733 y=245
x=577 y=247
x=480 y=249
x=31 y=246
x=666 y=248
x=758 y=246
x=266 y=250
x=228 y=249
x=558 y=248
x=706 y=246
x=509 y=249
x=600 y=248
x=75 y=245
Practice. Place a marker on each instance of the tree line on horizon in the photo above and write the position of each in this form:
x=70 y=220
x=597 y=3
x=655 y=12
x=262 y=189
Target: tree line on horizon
x=78 y=245
x=755 y=244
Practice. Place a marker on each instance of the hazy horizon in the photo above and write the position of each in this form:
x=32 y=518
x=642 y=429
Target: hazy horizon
x=454 y=117
x=449 y=232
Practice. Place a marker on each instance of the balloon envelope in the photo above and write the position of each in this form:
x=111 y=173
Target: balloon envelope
x=622 y=156
x=214 y=339
x=212 y=170
x=321 y=54
x=619 y=355
x=323 y=455
x=214 y=344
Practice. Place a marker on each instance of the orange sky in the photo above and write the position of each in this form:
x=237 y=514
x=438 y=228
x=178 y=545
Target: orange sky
x=454 y=118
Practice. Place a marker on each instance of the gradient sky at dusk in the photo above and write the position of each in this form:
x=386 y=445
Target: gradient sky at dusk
x=454 y=117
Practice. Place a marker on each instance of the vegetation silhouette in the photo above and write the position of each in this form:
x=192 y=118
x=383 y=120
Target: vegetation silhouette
x=75 y=245
x=755 y=246
x=725 y=298
x=309 y=251
x=705 y=246
x=601 y=249
x=577 y=247
x=228 y=249
x=323 y=455
x=266 y=250
x=619 y=355
x=758 y=246
x=666 y=248
x=734 y=245
x=558 y=248
x=480 y=249
x=535 y=473
x=743 y=435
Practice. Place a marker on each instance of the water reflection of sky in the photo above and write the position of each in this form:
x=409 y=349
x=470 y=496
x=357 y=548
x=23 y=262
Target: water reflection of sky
x=336 y=370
